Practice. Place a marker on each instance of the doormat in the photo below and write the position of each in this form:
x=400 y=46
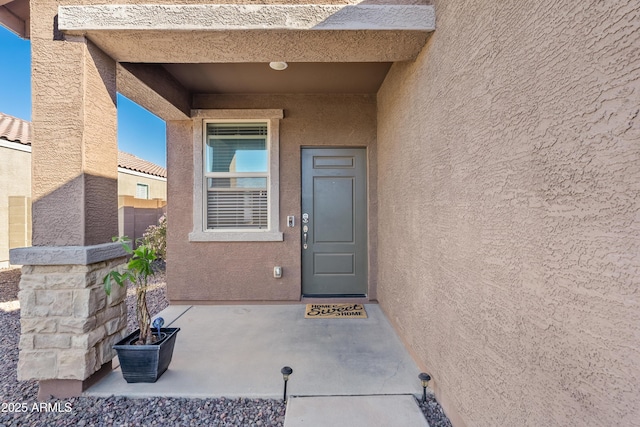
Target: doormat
x=332 y=311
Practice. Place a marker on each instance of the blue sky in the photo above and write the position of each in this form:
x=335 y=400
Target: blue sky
x=139 y=132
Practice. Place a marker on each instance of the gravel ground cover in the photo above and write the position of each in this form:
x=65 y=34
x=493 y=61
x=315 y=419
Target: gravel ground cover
x=20 y=406
x=433 y=412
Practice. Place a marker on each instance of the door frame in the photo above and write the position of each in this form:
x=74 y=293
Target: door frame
x=367 y=296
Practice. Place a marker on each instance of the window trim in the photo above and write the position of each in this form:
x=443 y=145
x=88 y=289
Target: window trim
x=200 y=120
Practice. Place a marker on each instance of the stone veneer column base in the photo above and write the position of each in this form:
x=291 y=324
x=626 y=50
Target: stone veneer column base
x=68 y=323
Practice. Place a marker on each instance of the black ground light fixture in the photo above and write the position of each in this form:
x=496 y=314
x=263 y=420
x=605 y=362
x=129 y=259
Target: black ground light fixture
x=424 y=379
x=286 y=371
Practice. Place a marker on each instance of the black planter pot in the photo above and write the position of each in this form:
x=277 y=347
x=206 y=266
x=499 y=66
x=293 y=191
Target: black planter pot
x=145 y=363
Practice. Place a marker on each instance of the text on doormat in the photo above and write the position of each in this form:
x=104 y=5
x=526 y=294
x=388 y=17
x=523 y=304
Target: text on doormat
x=327 y=311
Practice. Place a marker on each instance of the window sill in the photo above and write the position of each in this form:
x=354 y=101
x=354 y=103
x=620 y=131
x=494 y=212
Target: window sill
x=236 y=236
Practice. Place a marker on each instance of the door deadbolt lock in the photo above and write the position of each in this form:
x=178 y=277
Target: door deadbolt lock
x=305 y=218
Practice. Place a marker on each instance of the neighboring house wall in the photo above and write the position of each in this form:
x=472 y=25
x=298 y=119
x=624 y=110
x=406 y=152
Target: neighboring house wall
x=237 y=271
x=510 y=149
x=128 y=181
x=15 y=201
x=135 y=215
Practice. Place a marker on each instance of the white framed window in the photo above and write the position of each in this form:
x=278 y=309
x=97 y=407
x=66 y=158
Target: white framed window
x=236 y=175
x=236 y=172
x=142 y=191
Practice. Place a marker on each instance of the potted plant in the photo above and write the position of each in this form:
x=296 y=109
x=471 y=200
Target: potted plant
x=144 y=355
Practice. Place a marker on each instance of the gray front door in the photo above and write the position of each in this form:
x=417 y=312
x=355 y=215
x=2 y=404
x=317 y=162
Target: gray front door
x=334 y=221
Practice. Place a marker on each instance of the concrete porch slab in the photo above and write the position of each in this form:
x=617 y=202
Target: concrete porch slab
x=354 y=411
x=238 y=351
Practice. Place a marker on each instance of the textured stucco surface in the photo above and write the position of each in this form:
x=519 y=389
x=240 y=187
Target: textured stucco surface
x=511 y=150
x=223 y=17
x=237 y=271
x=260 y=46
x=188 y=31
x=15 y=180
x=68 y=324
x=127 y=185
x=155 y=89
x=74 y=150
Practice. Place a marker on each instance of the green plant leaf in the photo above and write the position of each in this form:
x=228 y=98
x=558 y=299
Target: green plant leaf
x=138 y=269
x=106 y=283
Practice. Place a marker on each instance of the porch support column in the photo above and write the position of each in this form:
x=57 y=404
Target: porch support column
x=68 y=323
x=180 y=162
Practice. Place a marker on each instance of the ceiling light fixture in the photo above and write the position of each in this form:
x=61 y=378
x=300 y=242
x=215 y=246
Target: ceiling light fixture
x=279 y=66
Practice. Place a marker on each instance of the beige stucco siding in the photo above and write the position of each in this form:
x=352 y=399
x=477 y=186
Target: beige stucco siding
x=15 y=180
x=135 y=215
x=15 y=198
x=237 y=271
x=128 y=182
x=510 y=149
x=74 y=148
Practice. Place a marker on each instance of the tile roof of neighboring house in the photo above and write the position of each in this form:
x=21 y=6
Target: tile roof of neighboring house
x=14 y=129
x=131 y=162
x=17 y=130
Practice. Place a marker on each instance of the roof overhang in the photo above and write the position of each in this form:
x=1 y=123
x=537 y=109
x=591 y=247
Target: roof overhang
x=218 y=33
x=14 y=15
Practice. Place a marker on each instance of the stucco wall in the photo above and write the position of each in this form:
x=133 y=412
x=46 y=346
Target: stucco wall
x=208 y=271
x=74 y=147
x=510 y=149
x=136 y=215
x=127 y=184
x=15 y=180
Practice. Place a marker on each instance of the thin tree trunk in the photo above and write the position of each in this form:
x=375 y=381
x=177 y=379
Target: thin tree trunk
x=142 y=313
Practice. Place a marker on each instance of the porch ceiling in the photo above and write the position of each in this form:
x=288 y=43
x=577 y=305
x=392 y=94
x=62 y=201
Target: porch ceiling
x=299 y=77
x=176 y=51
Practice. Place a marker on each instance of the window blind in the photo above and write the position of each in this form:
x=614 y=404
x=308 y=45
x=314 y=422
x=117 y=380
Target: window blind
x=237 y=209
x=237 y=175
x=237 y=129
x=142 y=191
